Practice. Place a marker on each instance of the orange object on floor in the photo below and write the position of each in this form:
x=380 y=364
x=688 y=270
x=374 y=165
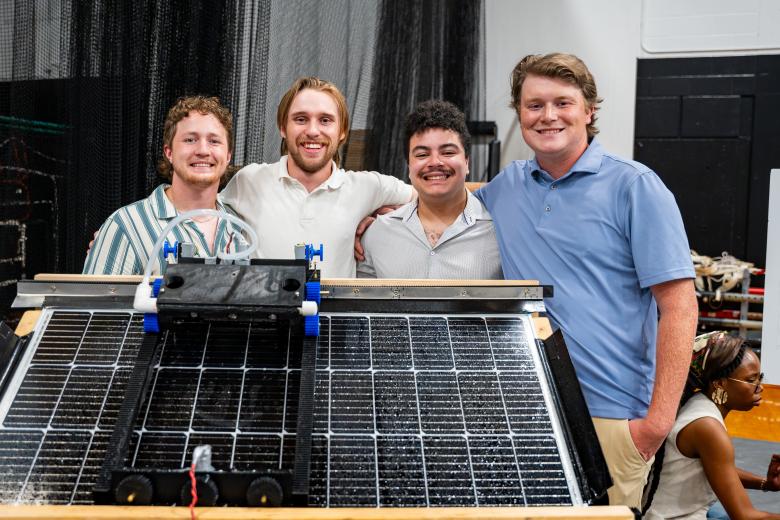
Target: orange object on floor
x=761 y=423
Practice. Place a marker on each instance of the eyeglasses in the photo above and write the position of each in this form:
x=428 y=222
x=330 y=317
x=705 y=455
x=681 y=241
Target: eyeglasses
x=756 y=383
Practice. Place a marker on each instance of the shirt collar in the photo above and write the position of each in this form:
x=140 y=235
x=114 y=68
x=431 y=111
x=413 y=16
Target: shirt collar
x=588 y=163
x=473 y=211
x=334 y=182
x=163 y=208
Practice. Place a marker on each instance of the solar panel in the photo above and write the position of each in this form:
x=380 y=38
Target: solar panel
x=410 y=409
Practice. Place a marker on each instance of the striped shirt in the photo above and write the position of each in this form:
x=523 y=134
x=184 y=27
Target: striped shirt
x=125 y=240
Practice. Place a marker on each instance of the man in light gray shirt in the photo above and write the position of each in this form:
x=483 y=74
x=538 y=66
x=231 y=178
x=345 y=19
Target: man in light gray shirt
x=446 y=232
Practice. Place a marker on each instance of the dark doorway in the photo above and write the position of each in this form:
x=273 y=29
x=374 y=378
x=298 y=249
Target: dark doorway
x=709 y=128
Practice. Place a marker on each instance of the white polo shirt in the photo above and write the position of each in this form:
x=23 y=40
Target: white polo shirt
x=283 y=213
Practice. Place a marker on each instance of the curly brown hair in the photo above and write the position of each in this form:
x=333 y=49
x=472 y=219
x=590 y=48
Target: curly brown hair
x=566 y=67
x=180 y=110
x=436 y=113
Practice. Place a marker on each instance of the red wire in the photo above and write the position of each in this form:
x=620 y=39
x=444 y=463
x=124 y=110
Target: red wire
x=194 y=491
x=230 y=241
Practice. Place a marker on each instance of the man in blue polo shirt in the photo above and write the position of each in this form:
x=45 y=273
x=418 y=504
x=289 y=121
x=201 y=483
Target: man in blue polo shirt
x=607 y=234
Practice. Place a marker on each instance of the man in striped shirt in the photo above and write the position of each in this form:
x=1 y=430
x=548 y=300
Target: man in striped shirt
x=197 y=147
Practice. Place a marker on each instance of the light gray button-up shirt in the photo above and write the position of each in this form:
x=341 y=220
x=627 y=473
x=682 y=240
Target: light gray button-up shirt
x=396 y=246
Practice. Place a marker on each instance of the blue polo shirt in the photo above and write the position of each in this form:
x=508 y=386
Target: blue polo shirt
x=602 y=235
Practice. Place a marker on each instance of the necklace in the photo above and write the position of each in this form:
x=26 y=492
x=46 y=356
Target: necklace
x=204 y=220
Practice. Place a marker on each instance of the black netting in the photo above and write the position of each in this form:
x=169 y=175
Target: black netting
x=85 y=85
x=432 y=51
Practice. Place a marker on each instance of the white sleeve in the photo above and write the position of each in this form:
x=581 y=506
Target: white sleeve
x=391 y=190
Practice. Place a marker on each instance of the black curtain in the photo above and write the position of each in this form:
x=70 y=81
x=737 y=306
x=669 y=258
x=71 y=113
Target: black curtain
x=130 y=61
x=426 y=49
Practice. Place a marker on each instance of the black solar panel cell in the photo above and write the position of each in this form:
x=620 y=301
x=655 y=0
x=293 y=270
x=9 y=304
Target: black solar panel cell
x=323 y=347
x=390 y=347
x=82 y=398
x=496 y=475
x=116 y=392
x=524 y=402
x=470 y=344
x=395 y=402
x=37 y=397
x=351 y=402
x=483 y=407
x=440 y=403
x=185 y=345
x=291 y=401
x=171 y=399
x=57 y=465
x=448 y=471
x=18 y=449
x=267 y=346
x=509 y=344
x=318 y=479
x=103 y=339
x=257 y=451
x=352 y=475
x=401 y=471
x=431 y=348
x=321 y=423
x=219 y=394
x=544 y=481
x=133 y=339
x=160 y=450
x=262 y=406
x=62 y=337
x=349 y=337
x=227 y=345
x=92 y=463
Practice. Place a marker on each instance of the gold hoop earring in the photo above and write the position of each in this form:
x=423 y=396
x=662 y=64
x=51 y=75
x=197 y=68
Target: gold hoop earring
x=719 y=395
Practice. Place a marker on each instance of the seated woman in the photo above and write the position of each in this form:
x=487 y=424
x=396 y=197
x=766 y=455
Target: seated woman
x=697 y=460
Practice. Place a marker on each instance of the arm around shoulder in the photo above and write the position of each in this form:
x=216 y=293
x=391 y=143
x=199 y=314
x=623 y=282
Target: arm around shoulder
x=392 y=190
x=365 y=267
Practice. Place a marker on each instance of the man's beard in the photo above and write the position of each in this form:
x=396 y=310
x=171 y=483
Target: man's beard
x=200 y=181
x=312 y=165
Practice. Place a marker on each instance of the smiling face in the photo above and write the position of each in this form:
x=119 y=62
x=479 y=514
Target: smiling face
x=553 y=119
x=199 y=151
x=438 y=165
x=743 y=394
x=312 y=131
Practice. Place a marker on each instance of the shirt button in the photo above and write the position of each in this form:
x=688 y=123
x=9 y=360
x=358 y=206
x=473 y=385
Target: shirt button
x=547 y=209
x=433 y=253
x=554 y=187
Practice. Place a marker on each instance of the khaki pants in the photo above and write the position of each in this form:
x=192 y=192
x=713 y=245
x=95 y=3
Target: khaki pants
x=628 y=468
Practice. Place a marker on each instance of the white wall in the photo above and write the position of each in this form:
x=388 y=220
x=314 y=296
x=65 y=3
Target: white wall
x=609 y=35
x=603 y=33
x=770 y=339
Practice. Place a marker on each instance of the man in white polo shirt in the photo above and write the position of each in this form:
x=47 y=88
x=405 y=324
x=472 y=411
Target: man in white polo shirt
x=306 y=197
